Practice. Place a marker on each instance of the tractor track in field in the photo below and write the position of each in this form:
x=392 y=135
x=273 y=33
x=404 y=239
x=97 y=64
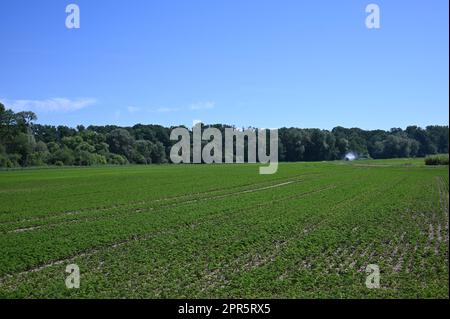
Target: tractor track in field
x=443 y=201
x=343 y=259
x=52 y=215
x=146 y=236
x=147 y=209
x=442 y=218
x=251 y=260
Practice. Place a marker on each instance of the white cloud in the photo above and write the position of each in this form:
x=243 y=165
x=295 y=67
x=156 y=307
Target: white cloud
x=202 y=105
x=133 y=109
x=49 y=105
x=167 y=109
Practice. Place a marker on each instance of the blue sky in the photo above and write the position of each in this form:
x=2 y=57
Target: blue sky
x=262 y=63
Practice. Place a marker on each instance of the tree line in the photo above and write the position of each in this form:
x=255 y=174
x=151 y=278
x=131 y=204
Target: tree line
x=25 y=143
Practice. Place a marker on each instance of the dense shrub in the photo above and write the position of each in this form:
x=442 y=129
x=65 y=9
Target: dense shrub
x=59 y=163
x=116 y=159
x=437 y=160
x=5 y=161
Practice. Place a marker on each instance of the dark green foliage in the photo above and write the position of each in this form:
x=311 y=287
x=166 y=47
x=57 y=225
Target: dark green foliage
x=437 y=160
x=23 y=143
x=115 y=159
x=121 y=142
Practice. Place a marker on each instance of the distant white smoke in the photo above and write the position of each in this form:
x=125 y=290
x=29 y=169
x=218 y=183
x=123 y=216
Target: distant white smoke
x=350 y=156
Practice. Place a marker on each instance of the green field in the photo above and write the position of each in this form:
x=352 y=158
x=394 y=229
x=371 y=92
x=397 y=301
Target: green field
x=211 y=231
